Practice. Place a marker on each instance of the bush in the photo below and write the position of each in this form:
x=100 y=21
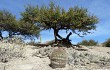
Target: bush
x=14 y=39
x=107 y=43
x=88 y=42
x=9 y=51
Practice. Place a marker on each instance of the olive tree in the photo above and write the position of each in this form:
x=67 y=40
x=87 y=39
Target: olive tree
x=77 y=20
x=8 y=22
x=28 y=22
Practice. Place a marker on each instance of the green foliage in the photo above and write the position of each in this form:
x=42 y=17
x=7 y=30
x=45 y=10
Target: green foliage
x=88 y=42
x=9 y=23
x=30 y=14
x=75 y=19
x=35 y=18
x=28 y=29
x=56 y=18
x=107 y=43
x=29 y=21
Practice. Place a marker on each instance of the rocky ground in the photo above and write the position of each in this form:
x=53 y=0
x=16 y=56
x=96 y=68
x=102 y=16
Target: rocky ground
x=94 y=58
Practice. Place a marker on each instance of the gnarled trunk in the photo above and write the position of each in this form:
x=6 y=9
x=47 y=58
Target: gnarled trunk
x=66 y=41
x=62 y=40
x=1 y=35
x=55 y=35
x=10 y=34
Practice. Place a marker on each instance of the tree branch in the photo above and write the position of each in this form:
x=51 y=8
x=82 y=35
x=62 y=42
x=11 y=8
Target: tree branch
x=78 y=34
x=59 y=36
x=68 y=36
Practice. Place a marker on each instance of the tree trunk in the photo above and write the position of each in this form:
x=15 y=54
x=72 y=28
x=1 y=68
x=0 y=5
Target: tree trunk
x=10 y=34
x=59 y=36
x=1 y=35
x=63 y=41
x=68 y=36
x=55 y=35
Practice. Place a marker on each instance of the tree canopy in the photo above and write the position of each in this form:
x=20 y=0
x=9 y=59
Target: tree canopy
x=29 y=23
x=8 y=22
x=77 y=20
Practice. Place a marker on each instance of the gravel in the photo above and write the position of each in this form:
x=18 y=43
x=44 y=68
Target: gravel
x=38 y=59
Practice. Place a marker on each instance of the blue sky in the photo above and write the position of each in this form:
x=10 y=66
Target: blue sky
x=100 y=8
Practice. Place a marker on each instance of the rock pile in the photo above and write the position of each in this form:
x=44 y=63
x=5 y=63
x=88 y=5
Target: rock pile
x=39 y=58
x=78 y=57
x=9 y=51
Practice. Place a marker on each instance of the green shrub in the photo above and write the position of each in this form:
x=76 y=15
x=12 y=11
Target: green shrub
x=88 y=42
x=107 y=43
